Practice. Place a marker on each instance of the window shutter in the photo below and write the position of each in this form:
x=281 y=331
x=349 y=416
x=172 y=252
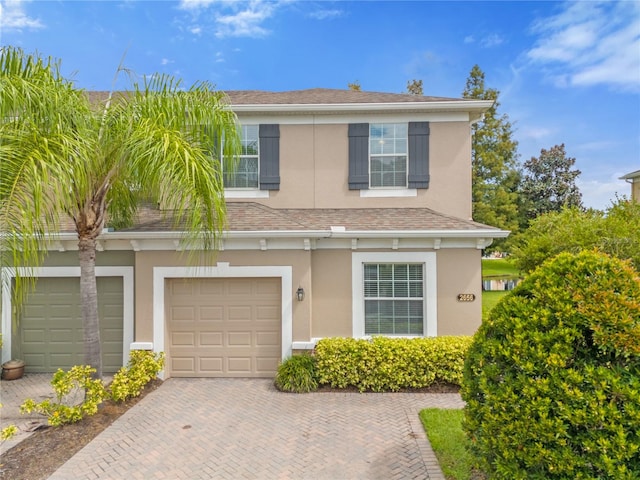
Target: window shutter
x=418 y=154
x=269 y=157
x=358 y=156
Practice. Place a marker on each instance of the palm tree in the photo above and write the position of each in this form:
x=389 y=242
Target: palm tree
x=64 y=156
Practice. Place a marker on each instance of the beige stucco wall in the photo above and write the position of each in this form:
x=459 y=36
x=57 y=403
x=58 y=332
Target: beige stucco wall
x=635 y=190
x=314 y=169
x=332 y=293
x=326 y=278
x=459 y=271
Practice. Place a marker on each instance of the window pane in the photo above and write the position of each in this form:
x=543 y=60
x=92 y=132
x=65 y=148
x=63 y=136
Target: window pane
x=245 y=171
x=388 y=151
x=393 y=299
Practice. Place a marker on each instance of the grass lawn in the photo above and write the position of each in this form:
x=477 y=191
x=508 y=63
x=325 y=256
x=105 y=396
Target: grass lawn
x=490 y=299
x=498 y=267
x=444 y=429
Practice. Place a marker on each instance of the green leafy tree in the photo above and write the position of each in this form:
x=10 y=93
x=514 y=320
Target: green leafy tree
x=572 y=230
x=549 y=183
x=494 y=160
x=63 y=157
x=414 y=87
x=552 y=378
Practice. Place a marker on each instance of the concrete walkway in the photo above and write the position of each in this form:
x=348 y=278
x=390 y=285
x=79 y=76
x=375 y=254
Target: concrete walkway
x=246 y=429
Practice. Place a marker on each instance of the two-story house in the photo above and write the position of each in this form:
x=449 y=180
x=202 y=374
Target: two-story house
x=349 y=214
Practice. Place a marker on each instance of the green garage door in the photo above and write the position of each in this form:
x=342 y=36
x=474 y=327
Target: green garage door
x=50 y=325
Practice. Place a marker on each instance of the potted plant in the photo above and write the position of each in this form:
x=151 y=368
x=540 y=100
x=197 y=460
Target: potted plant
x=13 y=369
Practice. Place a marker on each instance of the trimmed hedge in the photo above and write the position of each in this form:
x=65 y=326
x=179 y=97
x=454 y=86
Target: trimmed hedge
x=552 y=380
x=390 y=364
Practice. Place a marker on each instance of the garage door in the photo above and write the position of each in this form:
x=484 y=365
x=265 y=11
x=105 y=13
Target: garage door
x=223 y=327
x=50 y=325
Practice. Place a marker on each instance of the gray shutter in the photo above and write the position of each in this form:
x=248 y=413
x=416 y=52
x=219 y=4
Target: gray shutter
x=269 y=157
x=418 y=154
x=358 y=156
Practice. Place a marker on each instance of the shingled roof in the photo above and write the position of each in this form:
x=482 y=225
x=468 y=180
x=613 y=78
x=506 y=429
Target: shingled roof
x=313 y=96
x=250 y=216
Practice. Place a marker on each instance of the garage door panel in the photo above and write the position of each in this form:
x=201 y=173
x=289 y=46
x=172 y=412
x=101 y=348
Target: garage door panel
x=267 y=339
x=183 y=364
x=267 y=312
x=237 y=327
x=211 y=339
x=267 y=364
x=211 y=313
x=237 y=312
x=242 y=339
x=183 y=314
x=180 y=339
x=50 y=334
x=211 y=365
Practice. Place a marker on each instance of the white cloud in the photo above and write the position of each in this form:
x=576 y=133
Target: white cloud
x=13 y=16
x=601 y=193
x=536 y=133
x=324 y=14
x=166 y=61
x=590 y=43
x=492 y=40
x=195 y=4
x=246 y=22
x=230 y=19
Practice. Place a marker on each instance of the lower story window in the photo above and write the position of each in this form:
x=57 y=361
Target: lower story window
x=393 y=299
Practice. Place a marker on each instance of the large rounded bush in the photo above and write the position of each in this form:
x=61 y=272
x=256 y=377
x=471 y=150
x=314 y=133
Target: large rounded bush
x=552 y=378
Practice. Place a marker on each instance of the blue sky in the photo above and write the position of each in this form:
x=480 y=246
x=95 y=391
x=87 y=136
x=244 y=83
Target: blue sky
x=567 y=72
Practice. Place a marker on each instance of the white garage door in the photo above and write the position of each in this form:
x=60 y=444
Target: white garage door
x=223 y=327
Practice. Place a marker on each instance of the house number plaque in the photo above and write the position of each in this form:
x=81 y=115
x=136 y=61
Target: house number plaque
x=466 y=297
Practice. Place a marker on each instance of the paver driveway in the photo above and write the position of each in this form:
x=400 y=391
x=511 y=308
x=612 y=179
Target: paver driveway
x=244 y=428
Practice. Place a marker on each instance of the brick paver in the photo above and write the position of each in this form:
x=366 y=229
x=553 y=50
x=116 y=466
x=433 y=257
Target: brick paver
x=12 y=394
x=245 y=429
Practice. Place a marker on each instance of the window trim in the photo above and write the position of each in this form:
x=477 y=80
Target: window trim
x=428 y=259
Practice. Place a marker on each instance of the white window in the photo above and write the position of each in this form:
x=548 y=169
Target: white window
x=246 y=171
x=394 y=294
x=388 y=155
x=393 y=299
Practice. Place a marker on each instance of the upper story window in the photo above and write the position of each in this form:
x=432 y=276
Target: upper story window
x=388 y=155
x=247 y=169
x=257 y=169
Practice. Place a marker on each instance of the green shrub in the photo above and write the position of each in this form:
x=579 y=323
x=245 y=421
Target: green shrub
x=552 y=379
x=69 y=387
x=390 y=364
x=297 y=374
x=129 y=381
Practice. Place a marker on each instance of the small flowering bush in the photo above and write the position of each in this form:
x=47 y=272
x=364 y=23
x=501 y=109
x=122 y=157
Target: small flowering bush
x=390 y=364
x=7 y=432
x=76 y=383
x=129 y=382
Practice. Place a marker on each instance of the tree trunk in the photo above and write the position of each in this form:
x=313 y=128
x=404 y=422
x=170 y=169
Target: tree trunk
x=89 y=299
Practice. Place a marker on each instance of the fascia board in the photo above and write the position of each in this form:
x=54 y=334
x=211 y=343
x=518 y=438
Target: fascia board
x=467 y=106
x=484 y=233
